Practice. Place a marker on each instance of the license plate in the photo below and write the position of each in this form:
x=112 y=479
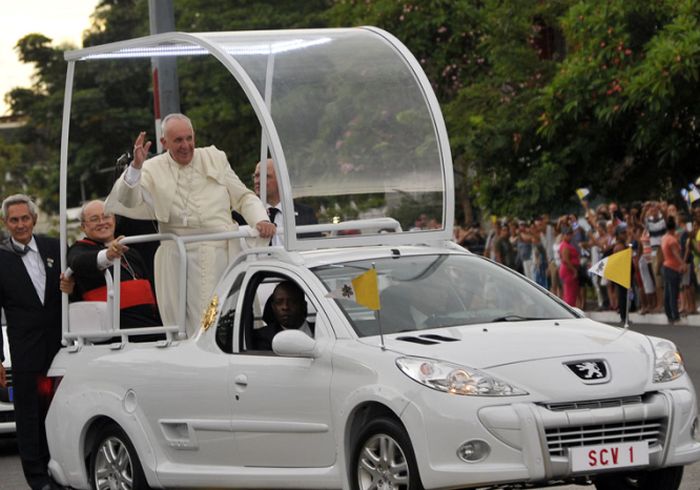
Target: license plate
x=605 y=456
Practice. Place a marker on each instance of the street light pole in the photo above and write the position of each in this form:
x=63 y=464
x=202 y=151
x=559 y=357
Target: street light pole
x=166 y=89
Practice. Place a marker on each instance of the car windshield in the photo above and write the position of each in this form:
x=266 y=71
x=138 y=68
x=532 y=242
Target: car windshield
x=432 y=291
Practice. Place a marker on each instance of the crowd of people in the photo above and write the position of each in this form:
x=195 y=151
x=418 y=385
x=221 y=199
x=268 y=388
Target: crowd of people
x=558 y=253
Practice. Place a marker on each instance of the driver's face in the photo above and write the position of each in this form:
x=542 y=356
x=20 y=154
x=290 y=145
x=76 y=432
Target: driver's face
x=288 y=308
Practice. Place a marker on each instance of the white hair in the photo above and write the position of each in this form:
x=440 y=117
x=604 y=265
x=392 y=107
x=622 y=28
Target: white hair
x=170 y=117
x=19 y=199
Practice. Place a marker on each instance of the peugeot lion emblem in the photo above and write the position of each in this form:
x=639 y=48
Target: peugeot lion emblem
x=591 y=371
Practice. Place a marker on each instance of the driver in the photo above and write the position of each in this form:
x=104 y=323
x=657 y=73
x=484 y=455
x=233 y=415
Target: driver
x=286 y=309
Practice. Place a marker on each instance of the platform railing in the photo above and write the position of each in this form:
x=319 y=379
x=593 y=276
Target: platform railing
x=179 y=331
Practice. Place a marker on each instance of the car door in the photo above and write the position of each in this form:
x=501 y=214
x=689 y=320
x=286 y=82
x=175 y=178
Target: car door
x=281 y=405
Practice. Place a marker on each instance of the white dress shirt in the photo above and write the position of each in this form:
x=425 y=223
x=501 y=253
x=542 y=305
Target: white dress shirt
x=35 y=267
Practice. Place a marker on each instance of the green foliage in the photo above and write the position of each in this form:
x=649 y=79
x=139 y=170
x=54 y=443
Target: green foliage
x=539 y=97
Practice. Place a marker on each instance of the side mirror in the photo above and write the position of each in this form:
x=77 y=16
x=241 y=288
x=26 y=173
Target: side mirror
x=294 y=343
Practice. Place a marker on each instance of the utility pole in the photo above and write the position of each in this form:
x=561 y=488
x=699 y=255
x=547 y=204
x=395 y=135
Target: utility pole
x=166 y=89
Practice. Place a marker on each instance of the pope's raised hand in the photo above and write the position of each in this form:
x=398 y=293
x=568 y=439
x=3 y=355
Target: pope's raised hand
x=141 y=147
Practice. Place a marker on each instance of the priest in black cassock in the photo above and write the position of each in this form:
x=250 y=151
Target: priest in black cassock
x=90 y=256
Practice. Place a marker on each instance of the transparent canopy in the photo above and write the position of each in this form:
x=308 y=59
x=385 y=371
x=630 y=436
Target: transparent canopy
x=348 y=117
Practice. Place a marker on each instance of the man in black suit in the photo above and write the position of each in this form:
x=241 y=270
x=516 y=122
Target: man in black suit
x=90 y=256
x=303 y=215
x=285 y=309
x=30 y=296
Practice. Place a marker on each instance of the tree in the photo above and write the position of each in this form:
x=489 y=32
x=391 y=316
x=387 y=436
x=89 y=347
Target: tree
x=622 y=108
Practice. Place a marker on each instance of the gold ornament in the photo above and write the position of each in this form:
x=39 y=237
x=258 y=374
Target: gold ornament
x=210 y=314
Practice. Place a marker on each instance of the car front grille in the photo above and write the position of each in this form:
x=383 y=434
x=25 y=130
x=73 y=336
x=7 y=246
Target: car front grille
x=593 y=404
x=561 y=438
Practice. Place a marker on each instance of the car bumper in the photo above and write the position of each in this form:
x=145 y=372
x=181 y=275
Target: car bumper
x=530 y=442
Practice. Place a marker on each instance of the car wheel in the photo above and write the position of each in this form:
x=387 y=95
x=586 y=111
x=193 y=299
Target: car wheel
x=663 y=479
x=383 y=458
x=114 y=463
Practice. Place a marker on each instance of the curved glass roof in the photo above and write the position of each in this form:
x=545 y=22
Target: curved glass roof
x=349 y=119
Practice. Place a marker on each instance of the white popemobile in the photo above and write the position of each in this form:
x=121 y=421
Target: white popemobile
x=468 y=375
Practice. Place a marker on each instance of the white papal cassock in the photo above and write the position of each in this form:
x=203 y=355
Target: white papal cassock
x=185 y=200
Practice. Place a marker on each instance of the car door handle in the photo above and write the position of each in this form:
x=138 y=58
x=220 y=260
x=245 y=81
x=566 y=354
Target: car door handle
x=241 y=380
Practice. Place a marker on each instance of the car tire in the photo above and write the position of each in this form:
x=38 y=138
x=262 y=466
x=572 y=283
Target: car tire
x=114 y=462
x=383 y=458
x=663 y=479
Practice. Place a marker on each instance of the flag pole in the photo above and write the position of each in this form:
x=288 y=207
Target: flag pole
x=628 y=299
x=379 y=320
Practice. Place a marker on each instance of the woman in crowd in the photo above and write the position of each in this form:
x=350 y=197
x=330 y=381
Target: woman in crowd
x=568 y=271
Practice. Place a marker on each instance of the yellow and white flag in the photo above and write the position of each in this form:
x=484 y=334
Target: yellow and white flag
x=616 y=268
x=583 y=193
x=362 y=289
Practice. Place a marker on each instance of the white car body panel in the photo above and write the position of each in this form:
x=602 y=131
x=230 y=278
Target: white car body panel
x=288 y=421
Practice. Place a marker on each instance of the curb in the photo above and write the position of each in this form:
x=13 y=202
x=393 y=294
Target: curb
x=649 y=318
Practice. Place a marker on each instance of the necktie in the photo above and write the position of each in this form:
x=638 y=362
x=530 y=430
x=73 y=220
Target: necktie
x=20 y=250
x=272 y=213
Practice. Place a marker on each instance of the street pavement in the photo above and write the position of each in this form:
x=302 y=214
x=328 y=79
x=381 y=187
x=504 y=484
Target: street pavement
x=686 y=336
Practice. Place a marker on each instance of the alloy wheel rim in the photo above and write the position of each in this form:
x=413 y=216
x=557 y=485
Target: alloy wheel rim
x=113 y=468
x=382 y=465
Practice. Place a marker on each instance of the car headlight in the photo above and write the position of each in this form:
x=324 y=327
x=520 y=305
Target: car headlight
x=668 y=364
x=451 y=378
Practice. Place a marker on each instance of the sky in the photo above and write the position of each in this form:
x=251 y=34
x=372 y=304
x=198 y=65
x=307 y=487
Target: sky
x=61 y=20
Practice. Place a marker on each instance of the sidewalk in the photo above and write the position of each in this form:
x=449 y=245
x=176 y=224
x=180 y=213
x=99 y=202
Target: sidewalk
x=649 y=318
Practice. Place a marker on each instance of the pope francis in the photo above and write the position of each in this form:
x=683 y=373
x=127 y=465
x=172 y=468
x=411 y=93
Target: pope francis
x=188 y=191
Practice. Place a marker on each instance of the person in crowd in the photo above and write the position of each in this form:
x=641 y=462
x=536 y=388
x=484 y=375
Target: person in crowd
x=30 y=296
x=303 y=214
x=523 y=247
x=491 y=237
x=286 y=309
x=646 y=273
x=621 y=291
x=188 y=191
x=539 y=256
x=687 y=297
x=598 y=245
x=505 y=254
x=90 y=256
x=569 y=269
x=421 y=223
x=672 y=270
x=655 y=224
x=555 y=263
x=473 y=240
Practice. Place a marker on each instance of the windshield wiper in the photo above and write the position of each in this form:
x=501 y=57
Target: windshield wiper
x=512 y=317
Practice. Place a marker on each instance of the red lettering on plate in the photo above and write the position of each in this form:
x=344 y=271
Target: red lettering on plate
x=615 y=452
x=604 y=457
x=591 y=458
x=631 y=454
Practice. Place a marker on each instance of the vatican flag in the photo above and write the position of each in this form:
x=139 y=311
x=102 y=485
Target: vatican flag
x=616 y=268
x=583 y=193
x=363 y=290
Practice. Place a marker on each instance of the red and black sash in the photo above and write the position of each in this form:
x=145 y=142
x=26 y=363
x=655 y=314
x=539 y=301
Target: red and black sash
x=133 y=292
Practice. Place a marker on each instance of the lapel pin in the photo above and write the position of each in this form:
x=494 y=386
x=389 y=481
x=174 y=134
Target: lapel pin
x=49 y=262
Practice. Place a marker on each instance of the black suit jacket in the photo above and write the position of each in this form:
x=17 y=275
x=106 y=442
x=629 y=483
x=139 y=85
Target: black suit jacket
x=33 y=329
x=303 y=215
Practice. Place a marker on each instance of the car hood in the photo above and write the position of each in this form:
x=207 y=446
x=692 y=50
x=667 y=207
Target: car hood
x=533 y=354
x=489 y=345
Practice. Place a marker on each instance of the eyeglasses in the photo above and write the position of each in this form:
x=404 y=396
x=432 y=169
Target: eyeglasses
x=93 y=220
